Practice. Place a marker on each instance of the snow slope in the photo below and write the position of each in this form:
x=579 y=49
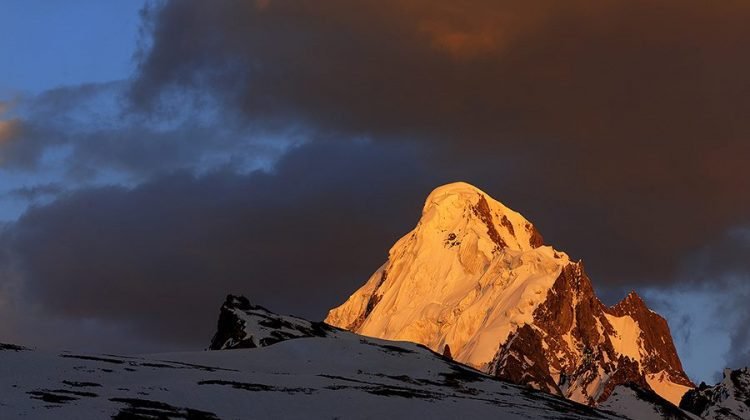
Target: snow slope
x=637 y=404
x=669 y=390
x=314 y=377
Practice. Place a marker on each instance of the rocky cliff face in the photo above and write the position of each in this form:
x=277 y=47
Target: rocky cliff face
x=476 y=276
x=579 y=348
x=727 y=400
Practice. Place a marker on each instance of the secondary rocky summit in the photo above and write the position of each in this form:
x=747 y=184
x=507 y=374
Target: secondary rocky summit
x=475 y=280
x=727 y=400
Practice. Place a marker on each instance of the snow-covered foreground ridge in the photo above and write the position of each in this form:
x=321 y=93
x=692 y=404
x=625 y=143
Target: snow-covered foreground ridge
x=476 y=277
x=276 y=366
x=342 y=376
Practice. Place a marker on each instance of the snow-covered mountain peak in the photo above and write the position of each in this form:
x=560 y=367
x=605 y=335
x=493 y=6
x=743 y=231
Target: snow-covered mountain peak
x=452 y=189
x=474 y=280
x=456 y=210
x=470 y=266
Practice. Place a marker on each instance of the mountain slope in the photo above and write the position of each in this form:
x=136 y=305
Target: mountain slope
x=338 y=375
x=467 y=256
x=475 y=276
x=727 y=400
x=638 y=404
x=629 y=401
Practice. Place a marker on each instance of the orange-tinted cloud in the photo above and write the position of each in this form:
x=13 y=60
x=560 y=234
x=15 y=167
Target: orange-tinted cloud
x=9 y=128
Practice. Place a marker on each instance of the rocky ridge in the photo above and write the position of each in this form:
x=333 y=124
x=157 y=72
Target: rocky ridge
x=727 y=400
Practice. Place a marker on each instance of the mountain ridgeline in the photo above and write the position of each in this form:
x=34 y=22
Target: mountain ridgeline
x=475 y=277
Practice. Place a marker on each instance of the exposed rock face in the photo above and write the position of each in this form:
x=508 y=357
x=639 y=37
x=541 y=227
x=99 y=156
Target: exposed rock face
x=243 y=325
x=476 y=276
x=11 y=347
x=447 y=352
x=587 y=348
x=727 y=400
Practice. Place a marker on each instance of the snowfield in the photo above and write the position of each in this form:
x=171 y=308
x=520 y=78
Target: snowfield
x=320 y=377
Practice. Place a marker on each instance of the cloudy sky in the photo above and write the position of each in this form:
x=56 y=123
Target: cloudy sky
x=155 y=156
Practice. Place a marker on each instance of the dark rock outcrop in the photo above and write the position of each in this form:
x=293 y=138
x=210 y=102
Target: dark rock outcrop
x=483 y=212
x=447 y=352
x=12 y=347
x=244 y=325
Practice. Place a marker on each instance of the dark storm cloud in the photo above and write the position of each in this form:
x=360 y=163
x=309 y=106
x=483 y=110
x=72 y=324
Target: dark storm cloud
x=160 y=257
x=627 y=117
